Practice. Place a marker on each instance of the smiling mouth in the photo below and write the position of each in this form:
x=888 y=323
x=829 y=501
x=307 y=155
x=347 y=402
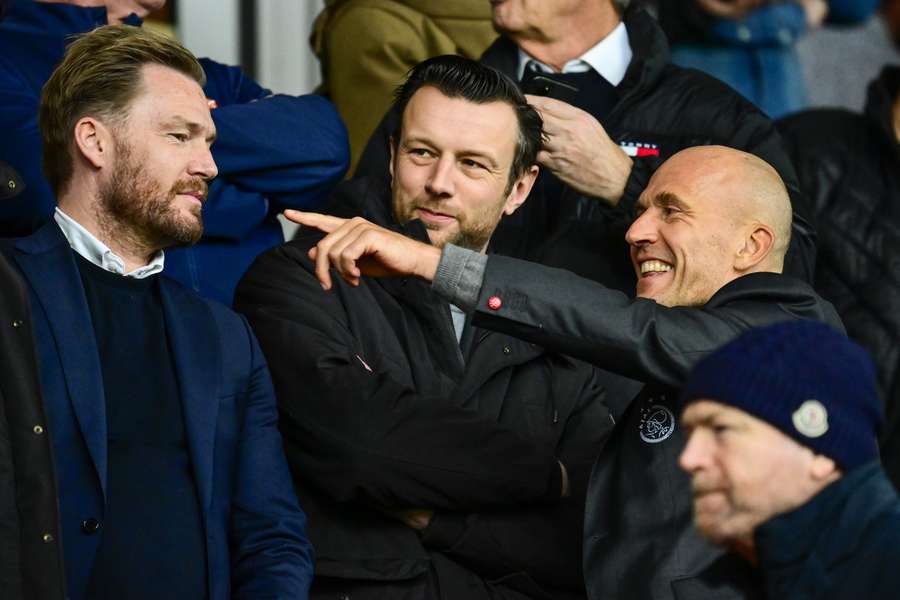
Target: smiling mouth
x=653 y=267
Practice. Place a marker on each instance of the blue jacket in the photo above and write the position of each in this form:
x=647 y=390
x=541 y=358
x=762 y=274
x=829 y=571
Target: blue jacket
x=278 y=152
x=844 y=543
x=756 y=54
x=255 y=531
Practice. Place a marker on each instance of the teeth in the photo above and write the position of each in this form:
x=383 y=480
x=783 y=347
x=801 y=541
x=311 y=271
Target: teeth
x=654 y=266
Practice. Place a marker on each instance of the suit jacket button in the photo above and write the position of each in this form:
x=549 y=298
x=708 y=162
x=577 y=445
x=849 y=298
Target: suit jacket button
x=90 y=526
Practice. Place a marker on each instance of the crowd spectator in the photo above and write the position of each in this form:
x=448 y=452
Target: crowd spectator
x=708 y=247
x=633 y=109
x=171 y=476
x=393 y=404
x=751 y=44
x=849 y=165
x=782 y=451
x=273 y=151
x=367 y=47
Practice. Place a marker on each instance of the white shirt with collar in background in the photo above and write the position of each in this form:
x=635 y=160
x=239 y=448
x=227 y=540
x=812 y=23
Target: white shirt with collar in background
x=84 y=243
x=609 y=58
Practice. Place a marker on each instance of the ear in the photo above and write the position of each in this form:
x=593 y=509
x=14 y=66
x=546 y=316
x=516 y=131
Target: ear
x=520 y=190
x=94 y=142
x=823 y=469
x=759 y=240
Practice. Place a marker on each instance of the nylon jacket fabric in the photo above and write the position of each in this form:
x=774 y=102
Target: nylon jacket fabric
x=30 y=564
x=382 y=409
x=640 y=542
x=273 y=152
x=843 y=543
x=849 y=165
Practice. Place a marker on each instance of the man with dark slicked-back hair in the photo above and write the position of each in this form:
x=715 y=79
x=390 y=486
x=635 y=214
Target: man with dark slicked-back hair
x=614 y=110
x=708 y=246
x=435 y=459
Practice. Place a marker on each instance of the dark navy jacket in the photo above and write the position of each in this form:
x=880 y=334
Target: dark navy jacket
x=844 y=543
x=255 y=536
x=278 y=152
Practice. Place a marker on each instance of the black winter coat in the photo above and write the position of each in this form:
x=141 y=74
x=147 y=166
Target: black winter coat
x=640 y=542
x=849 y=167
x=660 y=104
x=844 y=543
x=30 y=551
x=381 y=409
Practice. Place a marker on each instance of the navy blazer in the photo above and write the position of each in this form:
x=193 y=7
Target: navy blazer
x=255 y=531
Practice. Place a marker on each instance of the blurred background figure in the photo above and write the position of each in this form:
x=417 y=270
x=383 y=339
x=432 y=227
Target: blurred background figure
x=782 y=426
x=839 y=62
x=751 y=44
x=366 y=48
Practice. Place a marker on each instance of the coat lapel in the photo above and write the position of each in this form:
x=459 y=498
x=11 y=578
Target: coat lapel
x=194 y=340
x=47 y=262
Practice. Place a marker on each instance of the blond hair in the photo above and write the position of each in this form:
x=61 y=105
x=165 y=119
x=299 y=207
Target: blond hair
x=99 y=76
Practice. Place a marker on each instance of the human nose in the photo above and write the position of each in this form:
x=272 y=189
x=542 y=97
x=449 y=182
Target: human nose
x=203 y=164
x=643 y=230
x=695 y=454
x=440 y=180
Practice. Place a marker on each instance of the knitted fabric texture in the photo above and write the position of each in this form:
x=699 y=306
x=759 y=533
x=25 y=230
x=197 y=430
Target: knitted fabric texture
x=804 y=378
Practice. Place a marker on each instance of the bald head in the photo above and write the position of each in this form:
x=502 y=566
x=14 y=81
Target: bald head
x=745 y=187
x=710 y=214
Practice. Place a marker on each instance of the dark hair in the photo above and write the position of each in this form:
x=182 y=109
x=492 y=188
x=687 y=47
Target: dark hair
x=458 y=77
x=100 y=75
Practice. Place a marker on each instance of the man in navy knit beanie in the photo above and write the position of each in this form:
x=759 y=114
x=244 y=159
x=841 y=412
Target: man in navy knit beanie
x=782 y=428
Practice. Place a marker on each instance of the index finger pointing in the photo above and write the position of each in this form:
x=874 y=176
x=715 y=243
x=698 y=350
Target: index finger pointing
x=325 y=223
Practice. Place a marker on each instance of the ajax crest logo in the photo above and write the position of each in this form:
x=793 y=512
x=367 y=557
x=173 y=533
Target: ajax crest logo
x=657 y=423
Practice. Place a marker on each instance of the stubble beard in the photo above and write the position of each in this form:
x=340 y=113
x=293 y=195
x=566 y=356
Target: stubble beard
x=473 y=231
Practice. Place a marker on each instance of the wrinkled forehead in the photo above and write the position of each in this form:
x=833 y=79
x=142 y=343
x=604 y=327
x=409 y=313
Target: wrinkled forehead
x=695 y=183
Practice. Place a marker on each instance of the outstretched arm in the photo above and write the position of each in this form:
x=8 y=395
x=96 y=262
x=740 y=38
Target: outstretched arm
x=355 y=422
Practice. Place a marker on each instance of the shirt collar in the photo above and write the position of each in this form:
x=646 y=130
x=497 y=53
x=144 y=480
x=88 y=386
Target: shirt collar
x=610 y=58
x=84 y=243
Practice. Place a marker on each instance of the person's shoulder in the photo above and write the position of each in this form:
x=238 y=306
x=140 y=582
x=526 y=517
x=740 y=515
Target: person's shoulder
x=767 y=296
x=702 y=87
x=819 y=129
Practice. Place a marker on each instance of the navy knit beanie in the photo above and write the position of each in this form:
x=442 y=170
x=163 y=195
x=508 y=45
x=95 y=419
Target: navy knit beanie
x=804 y=378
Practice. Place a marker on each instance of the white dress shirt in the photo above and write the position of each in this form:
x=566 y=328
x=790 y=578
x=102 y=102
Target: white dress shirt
x=609 y=58
x=84 y=243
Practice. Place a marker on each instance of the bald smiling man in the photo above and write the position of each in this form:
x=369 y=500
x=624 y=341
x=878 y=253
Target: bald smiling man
x=707 y=244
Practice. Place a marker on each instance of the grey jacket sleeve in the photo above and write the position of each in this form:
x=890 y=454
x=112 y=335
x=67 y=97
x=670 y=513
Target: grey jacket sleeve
x=637 y=338
x=459 y=276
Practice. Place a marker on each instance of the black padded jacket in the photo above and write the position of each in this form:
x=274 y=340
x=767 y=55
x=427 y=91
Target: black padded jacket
x=849 y=167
